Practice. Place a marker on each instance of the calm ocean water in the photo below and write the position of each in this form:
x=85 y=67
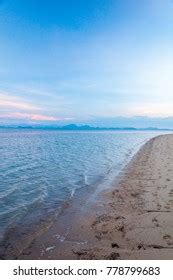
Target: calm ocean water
x=40 y=169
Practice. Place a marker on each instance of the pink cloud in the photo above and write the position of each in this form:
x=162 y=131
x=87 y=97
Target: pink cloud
x=31 y=117
x=43 y=118
x=20 y=110
x=6 y=102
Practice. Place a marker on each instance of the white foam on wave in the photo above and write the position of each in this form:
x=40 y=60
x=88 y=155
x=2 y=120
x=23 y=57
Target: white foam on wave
x=72 y=193
x=86 y=179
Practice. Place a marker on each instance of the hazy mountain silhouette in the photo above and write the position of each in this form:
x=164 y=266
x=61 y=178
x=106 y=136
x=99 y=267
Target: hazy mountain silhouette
x=74 y=127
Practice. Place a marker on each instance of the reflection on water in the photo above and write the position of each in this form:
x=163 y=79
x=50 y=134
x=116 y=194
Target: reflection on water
x=40 y=169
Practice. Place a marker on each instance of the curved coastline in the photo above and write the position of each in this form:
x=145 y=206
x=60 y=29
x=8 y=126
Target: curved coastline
x=137 y=221
x=132 y=220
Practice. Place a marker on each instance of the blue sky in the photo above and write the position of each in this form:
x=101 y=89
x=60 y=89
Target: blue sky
x=86 y=61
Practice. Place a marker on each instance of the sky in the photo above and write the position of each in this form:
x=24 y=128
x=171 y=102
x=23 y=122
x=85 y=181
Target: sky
x=94 y=62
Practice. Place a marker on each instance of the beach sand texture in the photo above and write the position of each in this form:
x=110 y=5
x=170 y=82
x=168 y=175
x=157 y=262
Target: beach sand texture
x=138 y=221
x=132 y=220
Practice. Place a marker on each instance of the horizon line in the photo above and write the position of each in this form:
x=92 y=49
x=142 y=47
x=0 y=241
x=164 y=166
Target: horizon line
x=74 y=127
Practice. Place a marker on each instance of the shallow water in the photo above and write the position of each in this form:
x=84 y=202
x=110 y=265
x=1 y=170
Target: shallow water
x=41 y=169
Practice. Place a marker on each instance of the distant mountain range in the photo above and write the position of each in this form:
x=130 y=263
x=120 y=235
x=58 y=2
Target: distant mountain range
x=74 y=127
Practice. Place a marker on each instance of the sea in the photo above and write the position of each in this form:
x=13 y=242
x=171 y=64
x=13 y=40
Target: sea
x=41 y=169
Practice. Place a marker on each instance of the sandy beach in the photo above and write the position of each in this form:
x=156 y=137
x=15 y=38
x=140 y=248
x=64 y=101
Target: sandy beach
x=131 y=220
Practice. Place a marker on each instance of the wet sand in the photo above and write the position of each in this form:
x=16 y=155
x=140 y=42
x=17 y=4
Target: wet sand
x=131 y=220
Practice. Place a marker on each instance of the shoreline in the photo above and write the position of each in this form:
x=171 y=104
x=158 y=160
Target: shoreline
x=132 y=220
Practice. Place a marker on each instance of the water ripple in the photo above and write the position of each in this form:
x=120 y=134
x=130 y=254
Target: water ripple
x=39 y=170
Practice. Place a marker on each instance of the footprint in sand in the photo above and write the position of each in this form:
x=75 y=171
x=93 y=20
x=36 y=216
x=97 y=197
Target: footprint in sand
x=115 y=245
x=154 y=194
x=171 y=193
x=155 y=222
x=113 y=256
x=168 y=239
x=104 y=225
x=166 y=236
x=158 y=206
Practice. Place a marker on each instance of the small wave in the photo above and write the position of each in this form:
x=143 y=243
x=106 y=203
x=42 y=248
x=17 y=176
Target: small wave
x=8 y=193
x=72 y=193
x=77 y=242
x=50 y=248
x=60 y=237
x=86 y=179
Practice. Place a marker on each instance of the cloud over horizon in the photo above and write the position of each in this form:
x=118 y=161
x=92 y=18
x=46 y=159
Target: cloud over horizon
x=85 y=61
